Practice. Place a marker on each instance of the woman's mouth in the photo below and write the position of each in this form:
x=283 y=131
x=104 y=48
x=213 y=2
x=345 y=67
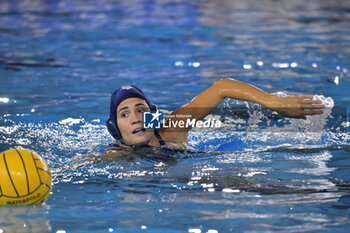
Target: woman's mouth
x=138 y=131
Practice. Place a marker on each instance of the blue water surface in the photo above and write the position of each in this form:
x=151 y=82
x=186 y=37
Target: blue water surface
x=259 y=172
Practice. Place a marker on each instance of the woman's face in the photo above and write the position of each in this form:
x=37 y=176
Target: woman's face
x=129 y=120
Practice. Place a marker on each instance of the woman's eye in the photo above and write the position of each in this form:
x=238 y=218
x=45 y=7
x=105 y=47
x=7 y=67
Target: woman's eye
x=142 y=110
x=124 y=115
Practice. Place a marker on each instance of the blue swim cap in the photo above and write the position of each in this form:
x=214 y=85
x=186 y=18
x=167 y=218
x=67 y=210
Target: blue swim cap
x=123 y=93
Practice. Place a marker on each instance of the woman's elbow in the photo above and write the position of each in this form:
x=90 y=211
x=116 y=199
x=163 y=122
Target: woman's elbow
x=221 y=86
x=224 y=82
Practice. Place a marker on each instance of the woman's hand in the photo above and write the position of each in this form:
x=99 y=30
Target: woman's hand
x=297 y=106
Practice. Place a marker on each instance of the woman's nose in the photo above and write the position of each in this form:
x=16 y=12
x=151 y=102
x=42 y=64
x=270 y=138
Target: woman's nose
x=136 y=117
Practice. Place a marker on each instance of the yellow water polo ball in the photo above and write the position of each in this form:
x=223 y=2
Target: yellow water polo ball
x=25 y=178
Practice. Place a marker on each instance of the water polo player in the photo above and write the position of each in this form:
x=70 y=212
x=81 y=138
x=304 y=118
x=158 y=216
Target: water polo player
x=125 y=122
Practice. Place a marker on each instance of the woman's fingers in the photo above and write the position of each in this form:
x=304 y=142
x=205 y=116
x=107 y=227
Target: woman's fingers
x=300 y=106
x=308 y=101
x=313 y=106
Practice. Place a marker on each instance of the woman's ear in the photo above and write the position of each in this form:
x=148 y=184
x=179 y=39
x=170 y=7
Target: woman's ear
x=111 y=128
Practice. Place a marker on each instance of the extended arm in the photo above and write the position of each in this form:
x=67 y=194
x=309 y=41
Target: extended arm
x=208 y=100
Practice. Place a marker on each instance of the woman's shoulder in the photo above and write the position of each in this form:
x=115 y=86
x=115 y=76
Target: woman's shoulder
x=173 y=134
x=174 y=139
x=113 y=153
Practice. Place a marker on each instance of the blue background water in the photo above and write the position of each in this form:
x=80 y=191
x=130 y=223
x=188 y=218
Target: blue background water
x=60 y=60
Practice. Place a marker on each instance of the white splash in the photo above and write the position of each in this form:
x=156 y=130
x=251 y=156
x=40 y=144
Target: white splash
x=4 y=100
x=71 y=121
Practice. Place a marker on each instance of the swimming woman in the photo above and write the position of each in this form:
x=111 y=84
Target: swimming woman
x=125 y=122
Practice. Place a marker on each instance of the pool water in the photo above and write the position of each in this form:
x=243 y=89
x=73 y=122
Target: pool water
x=259 y=172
